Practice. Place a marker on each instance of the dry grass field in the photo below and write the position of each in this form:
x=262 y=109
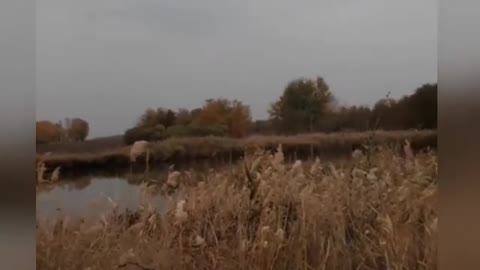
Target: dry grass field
x=378 y=211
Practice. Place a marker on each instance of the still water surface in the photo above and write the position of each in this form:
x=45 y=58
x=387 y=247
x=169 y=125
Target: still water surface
x=88 y=197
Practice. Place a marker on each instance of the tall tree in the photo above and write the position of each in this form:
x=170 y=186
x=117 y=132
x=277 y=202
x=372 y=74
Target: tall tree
x=169 y=119
x=213 y=113
x=418 y=110
x=233 y=116
x=183 y=117
x=195 y=113
x=425 y=105
x=302 y=105
x=78 y=129
x=239 y=119
x=149 y=118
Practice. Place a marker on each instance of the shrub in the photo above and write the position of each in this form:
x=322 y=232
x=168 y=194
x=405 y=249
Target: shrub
x=195 y=131
x=156 y=133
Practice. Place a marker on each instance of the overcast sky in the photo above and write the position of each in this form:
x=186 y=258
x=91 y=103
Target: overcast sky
x=108 y=60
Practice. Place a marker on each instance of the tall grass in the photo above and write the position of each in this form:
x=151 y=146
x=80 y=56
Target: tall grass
x=376 y=212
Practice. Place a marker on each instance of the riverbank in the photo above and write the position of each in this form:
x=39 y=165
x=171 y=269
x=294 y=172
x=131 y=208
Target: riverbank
x=220 y=149
x=380 y=212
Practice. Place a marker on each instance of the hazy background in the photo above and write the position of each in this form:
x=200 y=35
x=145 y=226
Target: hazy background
x=108 y=60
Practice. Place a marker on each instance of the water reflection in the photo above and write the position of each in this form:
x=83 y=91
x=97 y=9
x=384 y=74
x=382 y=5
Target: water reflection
x=88 y=197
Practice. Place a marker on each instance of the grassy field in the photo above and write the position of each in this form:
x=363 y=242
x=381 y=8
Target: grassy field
x=378 y=211
x=179 y=150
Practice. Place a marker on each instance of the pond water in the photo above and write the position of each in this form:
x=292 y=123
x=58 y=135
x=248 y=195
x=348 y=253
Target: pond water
x=91 y=196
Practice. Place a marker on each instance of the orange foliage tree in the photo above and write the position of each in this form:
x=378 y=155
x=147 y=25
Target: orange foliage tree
x=47 y=132
x=239 y=119
x=234 y=116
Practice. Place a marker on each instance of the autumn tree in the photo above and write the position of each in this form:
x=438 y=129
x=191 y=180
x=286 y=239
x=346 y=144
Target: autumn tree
x=239 y=119
x=149 y=118
x=183 y=117
x=75 y=129
x=47 y=132
x=213 y=113
x=301 y=107
x=195 y=113
x=160 y=116
x=233 y=116
x=78 y=129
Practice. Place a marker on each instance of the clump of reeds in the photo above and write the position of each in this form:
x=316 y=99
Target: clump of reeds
x=376 y=212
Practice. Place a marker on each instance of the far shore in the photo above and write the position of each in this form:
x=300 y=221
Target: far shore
x=114 y=154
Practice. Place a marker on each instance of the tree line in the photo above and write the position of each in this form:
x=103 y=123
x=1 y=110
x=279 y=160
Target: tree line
x=309 y=106
x=306 y=105
x=217 y=117
x=69 y=130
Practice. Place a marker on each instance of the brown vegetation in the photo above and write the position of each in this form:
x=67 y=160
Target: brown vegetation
x=308 y=105
x=89 y=146
x=77 y=130
x=378 y=212
x=177 y=150
x=72 y=130
x=218 y=117
x=233 y=116
x=47 y=131
x=305 y=106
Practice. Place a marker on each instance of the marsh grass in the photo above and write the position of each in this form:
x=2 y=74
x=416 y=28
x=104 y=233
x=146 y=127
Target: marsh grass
x=376 y=212
x=227 y=150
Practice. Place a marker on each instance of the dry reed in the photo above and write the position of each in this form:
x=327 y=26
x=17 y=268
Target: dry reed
x=376 y=212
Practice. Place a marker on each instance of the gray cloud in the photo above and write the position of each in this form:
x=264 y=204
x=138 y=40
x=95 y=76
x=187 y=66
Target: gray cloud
x=108 y=60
